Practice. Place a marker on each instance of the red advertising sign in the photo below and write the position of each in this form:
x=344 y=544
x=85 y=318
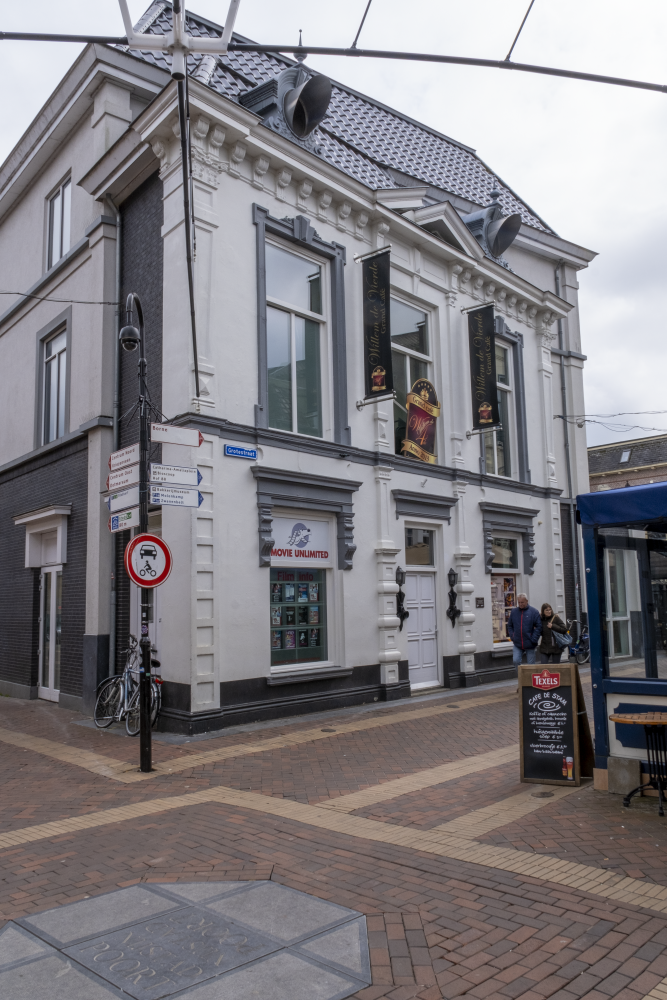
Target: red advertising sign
x=545 y=680
x=423 y=411
x=147 y=560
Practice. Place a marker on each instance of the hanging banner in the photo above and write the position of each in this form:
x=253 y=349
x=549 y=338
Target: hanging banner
x=423 y=411
x=377 y=331
x=481 y=333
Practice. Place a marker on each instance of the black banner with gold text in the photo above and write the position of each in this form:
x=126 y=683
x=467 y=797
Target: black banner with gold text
x=377 y=331
x=423 y=411
x=481 y=332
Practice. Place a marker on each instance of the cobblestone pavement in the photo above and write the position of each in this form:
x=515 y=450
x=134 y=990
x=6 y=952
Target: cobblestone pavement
x=558 y=897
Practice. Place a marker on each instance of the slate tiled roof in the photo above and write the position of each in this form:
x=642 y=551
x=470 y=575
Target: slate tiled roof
x=643 y=452
x=360 y=136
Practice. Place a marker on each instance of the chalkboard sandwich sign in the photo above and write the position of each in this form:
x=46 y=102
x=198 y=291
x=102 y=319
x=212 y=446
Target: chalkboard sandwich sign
x=553 y=725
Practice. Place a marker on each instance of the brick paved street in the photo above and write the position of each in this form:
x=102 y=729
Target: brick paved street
x=439 y=925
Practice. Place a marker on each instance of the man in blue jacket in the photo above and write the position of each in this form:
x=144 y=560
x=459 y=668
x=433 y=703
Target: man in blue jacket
x=525 y=628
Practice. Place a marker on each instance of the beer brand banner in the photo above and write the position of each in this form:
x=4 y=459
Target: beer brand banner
x=485 y=413
x=377 y=332
x=423 y=411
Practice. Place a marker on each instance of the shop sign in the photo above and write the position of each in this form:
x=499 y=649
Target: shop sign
x=423 y=411
x=556 y=745
x=377 y=331
x=546 y=680
x=299 y=540
x=481 y=334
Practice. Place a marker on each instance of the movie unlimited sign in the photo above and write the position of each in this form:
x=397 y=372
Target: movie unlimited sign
x=299 y=540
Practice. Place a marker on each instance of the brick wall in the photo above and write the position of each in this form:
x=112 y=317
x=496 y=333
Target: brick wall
x=61 y=477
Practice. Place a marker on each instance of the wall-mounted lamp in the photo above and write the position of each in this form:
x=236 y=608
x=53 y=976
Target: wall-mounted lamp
x=452 y=611
x=401 y=613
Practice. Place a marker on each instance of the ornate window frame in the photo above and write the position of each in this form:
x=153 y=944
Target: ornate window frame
x=284 y=488
x=519 y=520
x=300 y=232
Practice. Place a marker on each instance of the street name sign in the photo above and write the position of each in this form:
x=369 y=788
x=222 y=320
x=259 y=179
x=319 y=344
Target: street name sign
x=124 y=477
x=126 y=456
x=237 y=451
x=173 y=496
x=126 y=519
x=122 y=499
x=177 y=475
x=147 y=560
x=169 y=434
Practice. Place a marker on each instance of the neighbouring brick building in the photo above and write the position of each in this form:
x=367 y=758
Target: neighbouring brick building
x=628 y=463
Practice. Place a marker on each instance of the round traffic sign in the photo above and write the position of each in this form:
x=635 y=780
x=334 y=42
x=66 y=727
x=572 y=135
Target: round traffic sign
x=147 y=560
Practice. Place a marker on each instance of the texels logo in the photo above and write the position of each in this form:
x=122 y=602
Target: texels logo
x=300 y=536
x=546 y=680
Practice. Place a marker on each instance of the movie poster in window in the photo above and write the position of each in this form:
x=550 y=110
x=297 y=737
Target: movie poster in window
x=481 y=335
x=377 y=331
x=423 y=411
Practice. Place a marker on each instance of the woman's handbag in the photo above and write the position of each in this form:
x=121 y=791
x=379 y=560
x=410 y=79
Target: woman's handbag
x=561 y=640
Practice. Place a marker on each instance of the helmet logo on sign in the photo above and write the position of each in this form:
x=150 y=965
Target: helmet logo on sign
x=148 y=560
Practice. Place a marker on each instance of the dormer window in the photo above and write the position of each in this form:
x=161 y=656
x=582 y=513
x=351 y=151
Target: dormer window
x=625 y=456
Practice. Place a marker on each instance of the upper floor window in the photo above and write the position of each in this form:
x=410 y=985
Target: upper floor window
x=55 y=373
x=496 y=445
x=59 y=223
x=410 y=358
x=625 y=455
x=294 y=331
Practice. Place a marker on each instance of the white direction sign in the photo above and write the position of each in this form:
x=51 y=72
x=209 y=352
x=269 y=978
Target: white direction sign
x=176 y=435
x=126 y=456
x=122 y=499
x=127 y=519
x=172 y=496
x=178 y=475
x=124 y=477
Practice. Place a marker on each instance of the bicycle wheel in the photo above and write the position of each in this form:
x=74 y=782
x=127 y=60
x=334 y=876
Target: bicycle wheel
x=107 y=704
x=583 y=655
x=156 y=701
x=133 y=717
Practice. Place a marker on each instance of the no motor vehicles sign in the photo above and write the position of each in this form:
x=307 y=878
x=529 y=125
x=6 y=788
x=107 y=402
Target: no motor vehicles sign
x=147 y=560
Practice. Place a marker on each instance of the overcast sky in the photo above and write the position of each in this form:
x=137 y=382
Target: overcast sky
x=589 y=159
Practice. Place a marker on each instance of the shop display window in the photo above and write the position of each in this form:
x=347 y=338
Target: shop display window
x=503 y=599
x=298 y=616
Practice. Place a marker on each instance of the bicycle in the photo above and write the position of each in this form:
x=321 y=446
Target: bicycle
x=118 y=697
x=581 y=650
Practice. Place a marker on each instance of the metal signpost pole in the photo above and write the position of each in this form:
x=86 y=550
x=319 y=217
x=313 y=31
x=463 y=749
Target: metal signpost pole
x=127 y=336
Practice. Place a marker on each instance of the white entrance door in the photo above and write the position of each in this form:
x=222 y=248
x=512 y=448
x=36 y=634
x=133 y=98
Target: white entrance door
x=50 y=625
x=421 y=629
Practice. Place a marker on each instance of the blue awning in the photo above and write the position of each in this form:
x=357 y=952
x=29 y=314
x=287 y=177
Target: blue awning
x=624 y=506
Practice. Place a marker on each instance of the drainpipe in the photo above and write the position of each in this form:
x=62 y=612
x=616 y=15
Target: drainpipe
x=116 y=436
x=568 y=464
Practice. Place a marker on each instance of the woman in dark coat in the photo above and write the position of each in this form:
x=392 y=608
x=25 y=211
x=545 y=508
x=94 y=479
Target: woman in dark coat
x=550 y=651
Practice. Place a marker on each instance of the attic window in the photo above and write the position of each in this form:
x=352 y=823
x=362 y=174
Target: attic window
x=625 y=456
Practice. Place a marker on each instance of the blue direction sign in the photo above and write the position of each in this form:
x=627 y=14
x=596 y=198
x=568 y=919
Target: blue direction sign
x=173 y=496
x=236 y=451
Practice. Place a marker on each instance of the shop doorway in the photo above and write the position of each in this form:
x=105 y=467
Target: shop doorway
x=421 y=629
x=50 y=626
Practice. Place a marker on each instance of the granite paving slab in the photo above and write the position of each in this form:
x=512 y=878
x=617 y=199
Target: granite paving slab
x=209 y=940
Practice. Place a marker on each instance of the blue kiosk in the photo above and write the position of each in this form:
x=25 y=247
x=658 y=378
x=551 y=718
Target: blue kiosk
x=625 y=555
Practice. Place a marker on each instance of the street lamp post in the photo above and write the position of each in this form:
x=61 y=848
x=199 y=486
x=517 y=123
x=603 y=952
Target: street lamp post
x=132 y=338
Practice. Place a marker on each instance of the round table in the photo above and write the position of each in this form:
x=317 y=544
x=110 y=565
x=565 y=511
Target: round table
x=654 y=724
